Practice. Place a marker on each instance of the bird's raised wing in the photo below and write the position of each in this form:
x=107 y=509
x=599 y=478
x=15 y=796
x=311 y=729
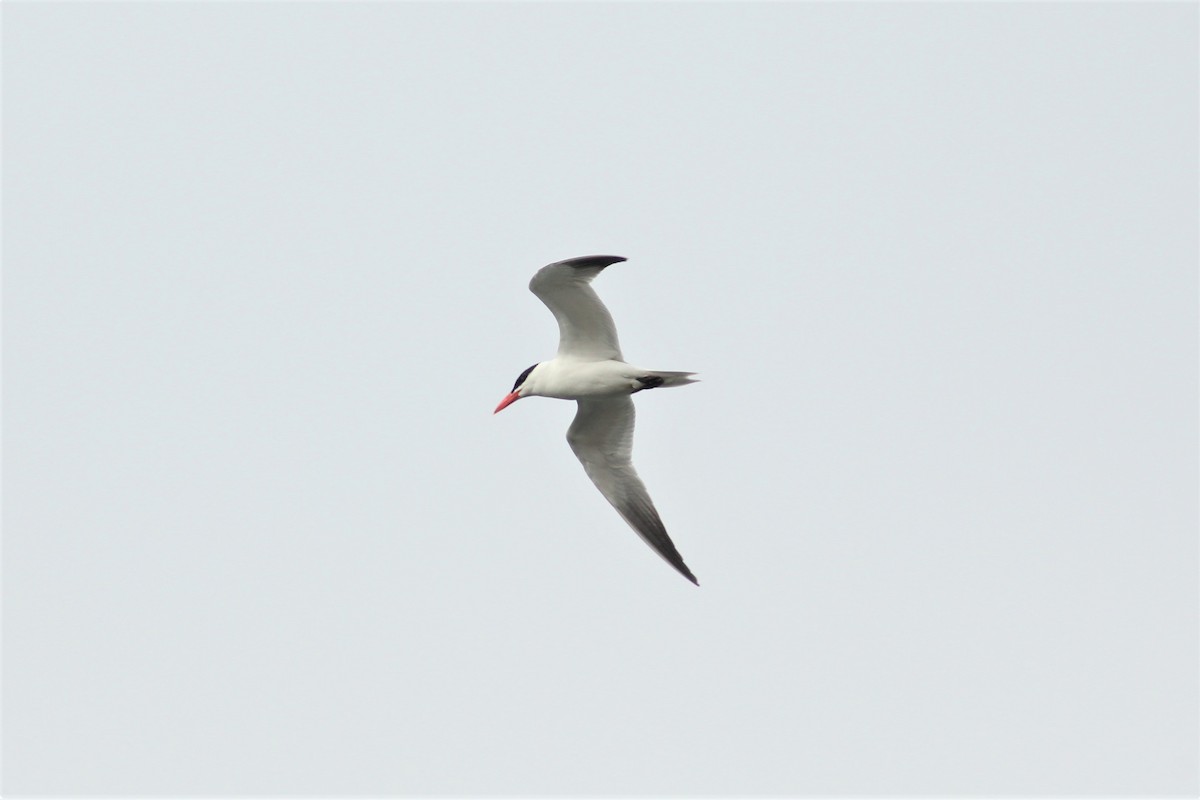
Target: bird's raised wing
x=602 y=438
x=585 y=328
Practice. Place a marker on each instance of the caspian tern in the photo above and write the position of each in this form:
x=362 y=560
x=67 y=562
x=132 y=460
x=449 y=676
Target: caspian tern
x=590 y=370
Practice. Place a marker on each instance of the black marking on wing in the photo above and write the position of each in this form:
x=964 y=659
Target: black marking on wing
x=649 y=382
x=644 y=519
x=584 y=262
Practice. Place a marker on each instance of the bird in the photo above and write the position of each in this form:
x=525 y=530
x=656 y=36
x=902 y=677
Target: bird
x=589 y=369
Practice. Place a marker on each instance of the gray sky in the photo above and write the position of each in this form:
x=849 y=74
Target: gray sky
x=265 y=276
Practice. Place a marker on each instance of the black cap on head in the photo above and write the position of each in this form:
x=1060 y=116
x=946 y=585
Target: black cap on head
x=521 y=378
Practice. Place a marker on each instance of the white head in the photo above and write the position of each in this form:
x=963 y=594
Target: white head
x=518 y=391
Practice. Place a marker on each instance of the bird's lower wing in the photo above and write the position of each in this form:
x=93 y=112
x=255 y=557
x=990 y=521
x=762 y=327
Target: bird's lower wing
x=602 y=438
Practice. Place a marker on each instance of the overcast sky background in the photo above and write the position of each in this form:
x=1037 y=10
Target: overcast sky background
x=265 y=276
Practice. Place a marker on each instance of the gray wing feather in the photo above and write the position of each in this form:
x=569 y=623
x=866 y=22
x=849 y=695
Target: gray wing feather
x=602 y=438
x=585 y=328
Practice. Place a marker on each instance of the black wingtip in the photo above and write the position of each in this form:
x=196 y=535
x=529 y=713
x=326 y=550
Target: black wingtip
x=585 y=262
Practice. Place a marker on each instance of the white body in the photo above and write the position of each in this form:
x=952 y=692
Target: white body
x=569 y=378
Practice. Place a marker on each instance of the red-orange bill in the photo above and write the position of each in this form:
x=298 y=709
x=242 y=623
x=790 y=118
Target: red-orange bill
x=508 y=400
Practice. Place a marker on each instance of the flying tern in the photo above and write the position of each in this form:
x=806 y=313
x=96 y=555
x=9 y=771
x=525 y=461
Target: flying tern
x=590 y=370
